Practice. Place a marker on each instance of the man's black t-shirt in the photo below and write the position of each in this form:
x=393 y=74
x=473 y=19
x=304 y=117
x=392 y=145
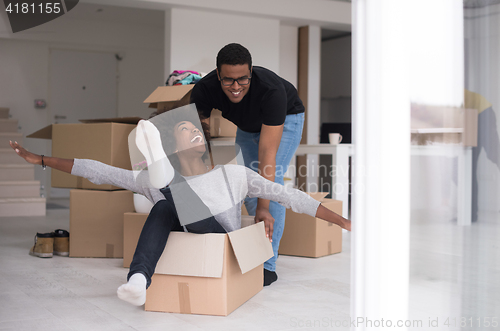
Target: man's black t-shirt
x=269 y=99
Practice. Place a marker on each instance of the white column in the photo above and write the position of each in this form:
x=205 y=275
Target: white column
x=167 y=46
x=464 y=189
x=313 y=102
x=381 y=164
x=340 y=178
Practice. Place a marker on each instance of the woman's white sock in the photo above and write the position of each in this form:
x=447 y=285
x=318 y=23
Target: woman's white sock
x=134 y=291
x=148 y=140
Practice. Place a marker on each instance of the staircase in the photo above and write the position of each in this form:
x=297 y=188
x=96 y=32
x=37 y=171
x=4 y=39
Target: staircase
x=19 y=191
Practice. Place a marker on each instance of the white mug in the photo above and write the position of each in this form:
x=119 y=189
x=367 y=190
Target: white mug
x=335 y=138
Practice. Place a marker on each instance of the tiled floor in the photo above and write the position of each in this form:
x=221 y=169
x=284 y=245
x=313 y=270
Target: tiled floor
x=80 y=294
x=454 y=273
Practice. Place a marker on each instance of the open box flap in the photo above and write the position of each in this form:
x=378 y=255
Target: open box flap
x=251 y=246
x=125 y=120
x=168 y=93
x=45 y=133
x=247 y=220
x=319 y=196
x=190 y=254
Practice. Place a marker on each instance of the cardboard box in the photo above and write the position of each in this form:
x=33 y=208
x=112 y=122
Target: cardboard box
x=309 y=236
x=209 y=274
x=247 y=220
x=132 y=227
x=104 y=140
x=165 y=98
x=96 y=222
x=221 y=127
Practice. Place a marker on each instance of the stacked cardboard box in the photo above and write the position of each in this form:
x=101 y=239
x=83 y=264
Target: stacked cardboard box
x=96 y=222
x=132 y=227
x=96 y=211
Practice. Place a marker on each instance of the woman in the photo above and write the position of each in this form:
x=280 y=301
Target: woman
x=199 y=198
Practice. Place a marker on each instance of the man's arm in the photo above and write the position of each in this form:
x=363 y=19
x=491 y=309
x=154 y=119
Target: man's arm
x=270 y=138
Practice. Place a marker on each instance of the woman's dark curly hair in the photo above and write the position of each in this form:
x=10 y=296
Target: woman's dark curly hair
x=166 y=121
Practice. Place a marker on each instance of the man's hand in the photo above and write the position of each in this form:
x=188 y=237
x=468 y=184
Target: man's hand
x=263 y=215
x=270 y=138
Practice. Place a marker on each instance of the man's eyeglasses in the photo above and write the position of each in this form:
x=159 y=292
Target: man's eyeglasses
x=230 y=81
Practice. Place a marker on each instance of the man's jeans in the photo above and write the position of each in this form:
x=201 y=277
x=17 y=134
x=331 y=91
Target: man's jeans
x=249 y=144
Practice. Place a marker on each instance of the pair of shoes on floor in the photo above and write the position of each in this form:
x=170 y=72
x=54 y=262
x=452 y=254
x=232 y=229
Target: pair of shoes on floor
x=52 y=243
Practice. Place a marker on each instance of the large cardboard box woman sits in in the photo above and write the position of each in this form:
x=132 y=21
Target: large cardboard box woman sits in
x=192 y=190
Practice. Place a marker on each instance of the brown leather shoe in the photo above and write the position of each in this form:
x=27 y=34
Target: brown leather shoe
x=44 y=245
x=61 y=242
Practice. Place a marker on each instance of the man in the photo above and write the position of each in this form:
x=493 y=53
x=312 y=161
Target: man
x=487 y=139
x=269 y=115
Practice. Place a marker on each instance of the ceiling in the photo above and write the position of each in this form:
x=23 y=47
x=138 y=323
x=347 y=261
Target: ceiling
x=467 y=3
x=479 y=3
x=116 y=14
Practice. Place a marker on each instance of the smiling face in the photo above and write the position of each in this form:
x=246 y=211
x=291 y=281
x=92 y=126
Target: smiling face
x=189 y=137
x=234 y=92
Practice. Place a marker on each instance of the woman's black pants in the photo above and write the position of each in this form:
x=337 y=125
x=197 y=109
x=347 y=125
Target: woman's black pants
x=161 y=221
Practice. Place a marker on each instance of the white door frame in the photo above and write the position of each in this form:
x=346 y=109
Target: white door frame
x=381 y=165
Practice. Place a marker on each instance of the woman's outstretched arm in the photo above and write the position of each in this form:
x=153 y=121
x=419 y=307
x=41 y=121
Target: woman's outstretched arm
x=65 y=165
x=293 y=199
x=95 y=171
x=329 y=216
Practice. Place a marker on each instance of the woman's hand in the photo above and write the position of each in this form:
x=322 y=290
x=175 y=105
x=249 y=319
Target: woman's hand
x=346 y=224
x=329 y=216
x=28 y=156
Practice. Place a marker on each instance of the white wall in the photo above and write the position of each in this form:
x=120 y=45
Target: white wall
x=197 y=36
x=24 y=56
x=139 y=44
x=289 y=48
x=314 y=84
